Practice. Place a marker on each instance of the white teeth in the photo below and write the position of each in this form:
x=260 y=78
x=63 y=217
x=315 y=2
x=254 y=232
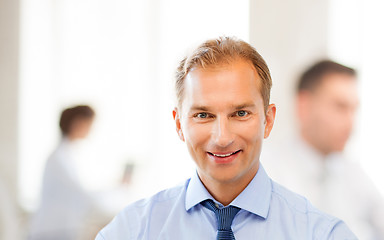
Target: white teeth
x=222 y=155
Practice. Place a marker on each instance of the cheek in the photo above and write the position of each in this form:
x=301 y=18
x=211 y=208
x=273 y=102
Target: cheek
x=332 y=120
x=321 y=117
x=252 y=131
x=196 y=134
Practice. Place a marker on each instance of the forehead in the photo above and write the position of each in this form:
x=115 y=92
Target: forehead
x=338 y=84
x=226 y=84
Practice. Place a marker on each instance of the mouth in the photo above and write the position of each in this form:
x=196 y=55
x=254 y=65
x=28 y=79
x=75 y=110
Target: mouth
x=223 y=157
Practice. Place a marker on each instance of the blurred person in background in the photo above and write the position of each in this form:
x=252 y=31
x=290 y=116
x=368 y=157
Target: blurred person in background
x=313 y=164
x=65 y=203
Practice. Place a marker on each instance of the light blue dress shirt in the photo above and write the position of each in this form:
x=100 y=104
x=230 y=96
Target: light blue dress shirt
x=268 y=211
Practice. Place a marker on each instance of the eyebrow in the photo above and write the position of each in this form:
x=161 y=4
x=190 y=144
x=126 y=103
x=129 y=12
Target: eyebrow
x=199 y=108
x=245 y=105
x=236 y=107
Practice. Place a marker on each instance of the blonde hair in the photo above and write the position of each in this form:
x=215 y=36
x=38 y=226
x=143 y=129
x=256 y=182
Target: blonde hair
x=221 y=51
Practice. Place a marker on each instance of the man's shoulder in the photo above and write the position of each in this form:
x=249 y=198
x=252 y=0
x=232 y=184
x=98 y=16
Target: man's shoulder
x=297 y=207
x=137 y=215
x=296 y=202
x=167 y=197
x=293 y=206
x=168 y=194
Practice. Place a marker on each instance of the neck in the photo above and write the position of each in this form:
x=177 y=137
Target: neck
x=226 y=191
x=225 y=194
x=71 y=137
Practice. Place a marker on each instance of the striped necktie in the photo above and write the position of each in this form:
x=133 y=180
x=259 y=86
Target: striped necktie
x=224 y=218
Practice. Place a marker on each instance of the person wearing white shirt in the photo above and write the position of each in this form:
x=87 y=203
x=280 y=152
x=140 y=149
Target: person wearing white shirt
x=313 y=163
x=64 y=201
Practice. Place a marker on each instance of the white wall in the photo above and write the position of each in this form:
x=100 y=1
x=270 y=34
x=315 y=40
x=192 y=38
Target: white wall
x=9 y=93
x=9 y=119
x=290 y=35
x=371 y=88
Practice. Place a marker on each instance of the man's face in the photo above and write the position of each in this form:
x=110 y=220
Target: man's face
x=81 y=127
x=329 y=113
x=222 y=121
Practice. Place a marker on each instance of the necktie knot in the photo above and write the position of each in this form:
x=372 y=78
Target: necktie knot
x=224 y=219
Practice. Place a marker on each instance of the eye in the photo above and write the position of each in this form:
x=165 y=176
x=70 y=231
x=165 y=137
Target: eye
x=241 y=113
x=202 y=115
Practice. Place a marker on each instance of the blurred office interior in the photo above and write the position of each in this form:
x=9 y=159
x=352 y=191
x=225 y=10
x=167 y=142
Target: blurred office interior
x=120 y=56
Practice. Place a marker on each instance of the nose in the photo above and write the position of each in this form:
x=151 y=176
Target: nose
x=222 y=134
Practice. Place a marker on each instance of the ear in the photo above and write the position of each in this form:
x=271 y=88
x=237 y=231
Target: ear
x=176 y=117
x=269 y=119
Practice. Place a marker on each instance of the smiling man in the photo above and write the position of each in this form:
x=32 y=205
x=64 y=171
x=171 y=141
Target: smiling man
x=223 y=114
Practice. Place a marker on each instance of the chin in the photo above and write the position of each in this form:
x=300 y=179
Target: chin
x=339 y=149
x=222 y=176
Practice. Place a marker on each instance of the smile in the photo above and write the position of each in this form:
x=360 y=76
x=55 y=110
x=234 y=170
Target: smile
x=223 y=155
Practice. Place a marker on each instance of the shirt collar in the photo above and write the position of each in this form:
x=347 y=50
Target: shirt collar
x=255 y=198
x=196 y=192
